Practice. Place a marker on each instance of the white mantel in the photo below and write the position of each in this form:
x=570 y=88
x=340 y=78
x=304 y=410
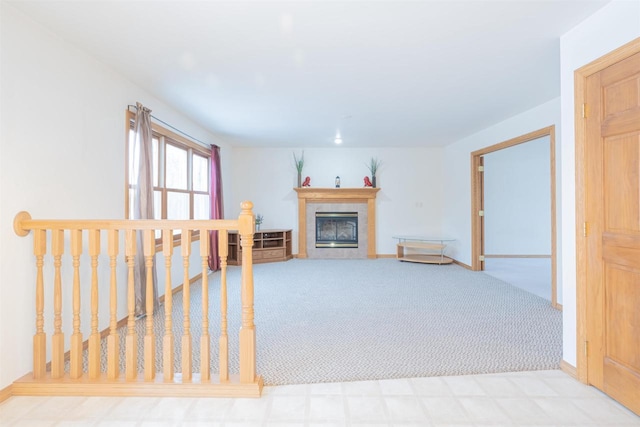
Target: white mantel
x=365 y=195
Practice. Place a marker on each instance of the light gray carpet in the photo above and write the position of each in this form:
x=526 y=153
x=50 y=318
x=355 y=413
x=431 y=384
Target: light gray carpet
x=344 y=320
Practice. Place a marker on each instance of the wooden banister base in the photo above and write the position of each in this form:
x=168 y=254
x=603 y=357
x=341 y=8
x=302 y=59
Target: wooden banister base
x=27 y=386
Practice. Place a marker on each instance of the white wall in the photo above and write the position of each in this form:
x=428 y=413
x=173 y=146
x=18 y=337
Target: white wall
x=62 y=142
x=517 y=200
x=457 y=170
x=609 y=28
x=409 y=202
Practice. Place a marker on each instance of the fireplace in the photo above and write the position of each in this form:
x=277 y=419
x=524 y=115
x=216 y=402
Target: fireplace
x=336 y=229
x=360 y=200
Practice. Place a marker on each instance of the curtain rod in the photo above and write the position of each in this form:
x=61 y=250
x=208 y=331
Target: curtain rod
x=174 y=128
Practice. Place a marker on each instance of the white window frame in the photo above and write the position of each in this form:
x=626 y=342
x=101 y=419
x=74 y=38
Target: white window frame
x=166 y=136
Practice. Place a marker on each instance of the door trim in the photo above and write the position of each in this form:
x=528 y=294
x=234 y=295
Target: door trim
x=477 y=194
x=580 y=79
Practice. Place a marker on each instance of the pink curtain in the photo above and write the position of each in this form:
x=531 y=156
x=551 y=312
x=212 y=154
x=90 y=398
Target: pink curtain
x=216 y=207
x=143 y=203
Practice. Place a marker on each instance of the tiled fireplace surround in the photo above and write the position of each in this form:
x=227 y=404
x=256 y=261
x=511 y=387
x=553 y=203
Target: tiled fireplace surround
x=360 y=200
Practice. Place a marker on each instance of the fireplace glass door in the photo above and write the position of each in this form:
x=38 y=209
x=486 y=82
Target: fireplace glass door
x=336 y=229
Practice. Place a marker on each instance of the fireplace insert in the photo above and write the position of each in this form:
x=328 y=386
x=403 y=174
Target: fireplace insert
x=336 y=229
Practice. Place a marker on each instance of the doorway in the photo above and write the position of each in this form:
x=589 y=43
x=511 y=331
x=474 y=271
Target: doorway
x=479 y=224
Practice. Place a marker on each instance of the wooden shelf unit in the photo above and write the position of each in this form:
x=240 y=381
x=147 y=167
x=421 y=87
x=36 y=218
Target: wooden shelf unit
x=268 y=246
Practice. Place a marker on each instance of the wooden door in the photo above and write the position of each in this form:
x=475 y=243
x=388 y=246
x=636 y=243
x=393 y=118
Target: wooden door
x=612 y=179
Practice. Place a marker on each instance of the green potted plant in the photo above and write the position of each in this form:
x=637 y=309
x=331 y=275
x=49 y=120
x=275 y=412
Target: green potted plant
x=373 y=166
x=259 y=219
x=299 y=163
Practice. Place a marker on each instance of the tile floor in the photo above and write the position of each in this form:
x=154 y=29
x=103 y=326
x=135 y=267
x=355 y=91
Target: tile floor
x=540 y=398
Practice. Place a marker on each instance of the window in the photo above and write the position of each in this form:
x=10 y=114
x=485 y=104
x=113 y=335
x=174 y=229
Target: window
x=180 y=176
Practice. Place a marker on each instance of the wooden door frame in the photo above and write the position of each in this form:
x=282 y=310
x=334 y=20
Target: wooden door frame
x=580 y=79
x=477 y=194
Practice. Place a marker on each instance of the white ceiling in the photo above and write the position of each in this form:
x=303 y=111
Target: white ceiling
x=290 y=74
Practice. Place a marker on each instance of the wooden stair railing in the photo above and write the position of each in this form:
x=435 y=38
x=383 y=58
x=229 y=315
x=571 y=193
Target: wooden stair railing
x=113 y=382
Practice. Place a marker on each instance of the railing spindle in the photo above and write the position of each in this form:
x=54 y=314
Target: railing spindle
x=40 y=338
x=57 y=347
x=167 y=340
x=149 y=336
x=94 y=338
x=113 y=340
x=223 y=251
x=76 y=338
x=131 y=341
x=186 y=303
x=205 y=352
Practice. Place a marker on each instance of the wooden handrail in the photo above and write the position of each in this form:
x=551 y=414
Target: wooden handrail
x=131 y=381
x=23 y=223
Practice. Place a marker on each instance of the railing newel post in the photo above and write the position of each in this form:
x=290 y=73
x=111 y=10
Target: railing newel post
x=246 y=229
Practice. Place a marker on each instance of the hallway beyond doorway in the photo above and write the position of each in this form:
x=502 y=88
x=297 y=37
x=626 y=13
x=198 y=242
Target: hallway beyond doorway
x=530 y=274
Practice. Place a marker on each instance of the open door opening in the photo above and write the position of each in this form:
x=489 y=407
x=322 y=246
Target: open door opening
x=479 y=220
